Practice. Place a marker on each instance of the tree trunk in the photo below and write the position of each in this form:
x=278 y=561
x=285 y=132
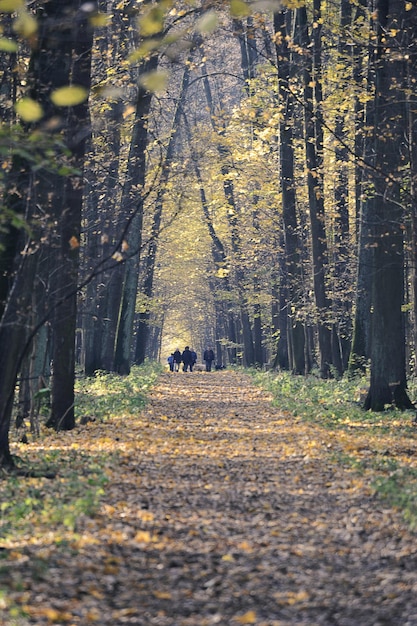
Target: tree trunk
x=49 y=69
x=364 y=200
x=149 y=262
x=292 y=246
x=341 y=330
x=132 y=205
x=314 y=153
x=78 y=132
x=388 y=374
x=232 y=212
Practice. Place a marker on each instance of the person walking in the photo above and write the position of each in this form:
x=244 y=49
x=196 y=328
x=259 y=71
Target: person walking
x=208 y=357
x=187 y=360
x=194 y=355
x=177 y=360
x=170 y=360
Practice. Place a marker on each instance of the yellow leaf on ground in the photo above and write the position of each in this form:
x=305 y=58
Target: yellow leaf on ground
x=248 y=618
x=162 y=595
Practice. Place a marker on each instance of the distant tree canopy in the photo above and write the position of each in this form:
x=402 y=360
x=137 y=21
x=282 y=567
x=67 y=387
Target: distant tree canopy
x=239 y=174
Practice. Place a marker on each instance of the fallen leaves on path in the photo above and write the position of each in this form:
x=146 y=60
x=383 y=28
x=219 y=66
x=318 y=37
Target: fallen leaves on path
x=218 y=510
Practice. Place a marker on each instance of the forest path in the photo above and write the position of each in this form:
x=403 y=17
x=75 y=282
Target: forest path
x=246 y=519
x=220 y=510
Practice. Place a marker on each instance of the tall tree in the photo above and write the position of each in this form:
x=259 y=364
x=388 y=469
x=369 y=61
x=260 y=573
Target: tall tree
x=313 y=101
x=132 y=206
x=100 y=307
x=77 y=135
x=232 y=216
x=166 y=168
x=42 y=191
x=341 y=300
x=388 y=373
x=291 y=274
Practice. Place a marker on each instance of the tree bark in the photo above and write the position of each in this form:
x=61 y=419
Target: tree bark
x=150 y=259
x=132 y=205
x=78 y=132
x=292 y=245
x=388 y=374
x=314 y=154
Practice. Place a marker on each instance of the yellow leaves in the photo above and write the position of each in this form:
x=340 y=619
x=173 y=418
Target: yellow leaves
x=99 y=20
x=124 y=613
x=162 y=595
x=154 y=81
x=143 y=536
x=145 y=516
x=207 y=23
x=25 y=25
x=68 y=96
x=143 y=50
x=8 y=45
x=53 y=616
x=291 y=597
x=29 y=110
x=247 y=618
x=239 y=8
x=152 y=22
x=10 y=6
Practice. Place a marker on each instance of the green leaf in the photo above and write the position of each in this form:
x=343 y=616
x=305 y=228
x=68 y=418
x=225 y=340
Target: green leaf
x=151 y=23
x=8 y=45
x=29 y=110
x=99 y=20
x=144 y=49
x=261 y=6
x=154 y=81
x=207 y=23
x=10 y=6
x=69 y=96
x=239 y=8
x=25 y=25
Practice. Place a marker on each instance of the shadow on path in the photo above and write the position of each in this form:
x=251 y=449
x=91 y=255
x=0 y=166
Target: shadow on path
x=220 y=510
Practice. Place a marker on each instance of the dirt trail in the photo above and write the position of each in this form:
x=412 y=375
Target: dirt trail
x=222 y=511
x=253 y=523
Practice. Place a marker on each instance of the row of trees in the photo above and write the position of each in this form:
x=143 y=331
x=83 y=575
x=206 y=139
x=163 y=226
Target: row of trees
x=242 y=175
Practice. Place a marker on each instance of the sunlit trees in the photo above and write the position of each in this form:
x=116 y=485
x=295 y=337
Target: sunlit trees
x=283 y=151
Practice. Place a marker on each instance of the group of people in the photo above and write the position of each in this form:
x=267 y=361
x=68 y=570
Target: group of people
x=188 y=358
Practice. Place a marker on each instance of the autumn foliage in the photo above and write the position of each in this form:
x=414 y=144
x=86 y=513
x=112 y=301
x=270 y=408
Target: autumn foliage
x=209 y=505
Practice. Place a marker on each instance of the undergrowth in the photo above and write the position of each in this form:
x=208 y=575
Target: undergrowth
x=380 y=444
x=68 y=482
x=107 y=394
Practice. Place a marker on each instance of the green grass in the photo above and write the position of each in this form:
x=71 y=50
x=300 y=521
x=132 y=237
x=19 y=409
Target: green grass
x=108 y=394
x=336 y=405
x=59 y=471
x=331 y=403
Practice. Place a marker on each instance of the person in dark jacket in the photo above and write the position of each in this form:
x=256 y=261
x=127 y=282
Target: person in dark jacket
x=208 y=357
x=187 y=359
x=194 y=355
x=177 y=360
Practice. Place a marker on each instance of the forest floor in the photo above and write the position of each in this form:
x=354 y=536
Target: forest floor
x=217 y=509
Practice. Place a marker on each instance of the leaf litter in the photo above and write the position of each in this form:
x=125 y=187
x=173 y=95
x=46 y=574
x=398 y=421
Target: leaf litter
x=217 y=509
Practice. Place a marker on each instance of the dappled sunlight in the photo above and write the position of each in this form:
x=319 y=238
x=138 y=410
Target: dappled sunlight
x=209 y=496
